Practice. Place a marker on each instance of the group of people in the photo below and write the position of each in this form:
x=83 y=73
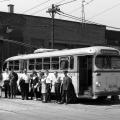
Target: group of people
x=39 y=85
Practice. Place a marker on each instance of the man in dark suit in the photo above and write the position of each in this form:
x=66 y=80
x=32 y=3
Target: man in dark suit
x=13 y=83
x=66 y=88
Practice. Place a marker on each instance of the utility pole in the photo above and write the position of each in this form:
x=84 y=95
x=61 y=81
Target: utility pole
x=83 y=12
x=52 y=11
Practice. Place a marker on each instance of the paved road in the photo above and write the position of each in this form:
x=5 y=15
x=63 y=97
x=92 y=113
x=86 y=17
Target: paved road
x=17 y=109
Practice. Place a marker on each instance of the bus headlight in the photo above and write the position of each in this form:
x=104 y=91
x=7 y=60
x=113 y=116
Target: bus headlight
x=98 y=84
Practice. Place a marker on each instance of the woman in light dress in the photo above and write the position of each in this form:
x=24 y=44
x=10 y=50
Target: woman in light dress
x=43 y=87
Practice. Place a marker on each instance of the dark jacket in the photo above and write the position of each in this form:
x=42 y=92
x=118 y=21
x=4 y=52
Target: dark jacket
x=13 y=78
x=66 y=83
x=35 y=81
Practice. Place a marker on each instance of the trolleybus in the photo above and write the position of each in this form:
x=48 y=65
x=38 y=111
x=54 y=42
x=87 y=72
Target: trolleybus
x=95 y=71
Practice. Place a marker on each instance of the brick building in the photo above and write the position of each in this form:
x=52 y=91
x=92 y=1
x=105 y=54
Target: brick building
x=36 y=31
x=113 y=38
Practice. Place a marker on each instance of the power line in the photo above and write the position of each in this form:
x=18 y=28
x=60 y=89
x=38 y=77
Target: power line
x=87 y=3
x=45 y=8
x=84 y=3
x=87 y=21
x=66 y=2
x=36 y=6
x=106 y=10
x=40 y=10
x=4 y=0
x=78 y=8
x=70 y=16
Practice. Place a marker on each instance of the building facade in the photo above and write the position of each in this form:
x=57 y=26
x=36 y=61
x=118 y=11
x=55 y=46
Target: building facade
x=20 y=34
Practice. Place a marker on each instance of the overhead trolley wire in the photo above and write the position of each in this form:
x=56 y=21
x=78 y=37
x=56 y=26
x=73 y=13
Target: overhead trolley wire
x=78 y=8
x=106 y=10
x=86 y=21
x=66 y=2
x=4 y=0
x=87 y=3
x=69 y=16
x=38 y=5
x=45 y=8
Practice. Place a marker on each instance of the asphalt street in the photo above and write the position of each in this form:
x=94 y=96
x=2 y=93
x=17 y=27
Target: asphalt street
x=17 y=109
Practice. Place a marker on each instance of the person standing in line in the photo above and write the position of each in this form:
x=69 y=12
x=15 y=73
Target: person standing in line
x=1 y=84
x=31 y=86
x=6 y=82
x=18 y=81
x=39 y=84
x=56 y=83
x=22 y=86
x=25 y=89
x=43 y=87
x=35 y=85
x=13 y=83
x=66 y=88
x=48 y=85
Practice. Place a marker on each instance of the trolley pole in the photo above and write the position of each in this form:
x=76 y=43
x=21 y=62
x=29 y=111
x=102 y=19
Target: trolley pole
x=52 y=11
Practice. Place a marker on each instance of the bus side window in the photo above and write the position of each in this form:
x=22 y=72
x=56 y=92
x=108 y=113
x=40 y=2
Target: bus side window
x=11 y=65
x=16 y=65
x=31 y=64
x=64 y=63
x=55 y=63
x=46 y=63
x=71 y=62
x=4 y=66
x=38 y=64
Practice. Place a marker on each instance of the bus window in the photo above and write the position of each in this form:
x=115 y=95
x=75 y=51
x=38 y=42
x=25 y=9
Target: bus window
x=31 y=64
x=16 y=65
x=108 y=62
x=11 y=65
x=4 y=66
x=64 y=63
x=55 y=63
x=71 y=62
x=115 y=62
x=46 y=63
x=23 y=64
x=38 y=64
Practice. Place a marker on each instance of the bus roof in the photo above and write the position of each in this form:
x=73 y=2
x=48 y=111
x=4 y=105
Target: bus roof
x=65 y=52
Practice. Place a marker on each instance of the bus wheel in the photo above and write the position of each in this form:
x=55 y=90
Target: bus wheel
x=101 y=98
x=115 y=98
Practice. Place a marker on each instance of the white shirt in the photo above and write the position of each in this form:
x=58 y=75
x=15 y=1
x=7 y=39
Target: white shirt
x=56 y=79
x=5 y=76
x=19 y=78
x=48 y=78
x=25 y=77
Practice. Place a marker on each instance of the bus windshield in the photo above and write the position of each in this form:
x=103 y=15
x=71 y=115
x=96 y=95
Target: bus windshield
x=107 y=62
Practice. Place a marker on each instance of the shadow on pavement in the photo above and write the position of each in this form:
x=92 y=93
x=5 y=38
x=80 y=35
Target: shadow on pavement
x=106 y=102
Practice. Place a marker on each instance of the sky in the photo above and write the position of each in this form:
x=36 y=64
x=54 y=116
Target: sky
x=104 y=12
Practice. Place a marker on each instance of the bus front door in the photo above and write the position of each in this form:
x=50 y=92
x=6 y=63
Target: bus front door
x=85 y=75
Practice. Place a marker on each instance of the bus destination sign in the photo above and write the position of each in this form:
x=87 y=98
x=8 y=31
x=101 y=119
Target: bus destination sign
x=109 y=52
